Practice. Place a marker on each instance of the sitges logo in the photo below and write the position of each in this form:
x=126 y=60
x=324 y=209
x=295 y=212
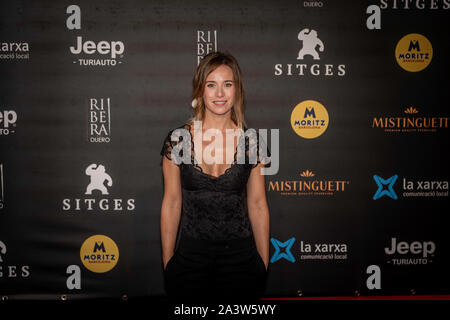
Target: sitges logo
x=88 y=52
x=2 y=250
x=410 y=253
x=374 y=20
x=99 y=120
x=11 y=271
x=99 y=182
x=415 y=4
x=309 y=60
x=8 y=119
x=2 y=188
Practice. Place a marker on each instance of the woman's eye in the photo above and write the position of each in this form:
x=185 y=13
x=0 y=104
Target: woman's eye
x=210 y=85
x=229 y=84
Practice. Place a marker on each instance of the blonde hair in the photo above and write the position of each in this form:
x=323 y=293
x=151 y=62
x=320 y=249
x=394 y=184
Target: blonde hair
x=207 y=65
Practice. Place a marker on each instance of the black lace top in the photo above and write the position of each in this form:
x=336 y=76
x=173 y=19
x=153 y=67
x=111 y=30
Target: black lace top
x=214 y=207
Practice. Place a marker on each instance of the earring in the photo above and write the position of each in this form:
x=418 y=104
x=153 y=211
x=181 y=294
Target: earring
x=194 y=103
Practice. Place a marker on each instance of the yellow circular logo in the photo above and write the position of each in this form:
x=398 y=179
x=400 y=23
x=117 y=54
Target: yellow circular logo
x=309 y=119
x=413 y=52
x=99 y=253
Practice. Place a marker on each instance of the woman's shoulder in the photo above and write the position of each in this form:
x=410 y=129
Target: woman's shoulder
x=180 y=128
x=173 y=138
x=178 y=134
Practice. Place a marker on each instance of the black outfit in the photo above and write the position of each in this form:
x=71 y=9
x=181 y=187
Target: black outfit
x=216 y=255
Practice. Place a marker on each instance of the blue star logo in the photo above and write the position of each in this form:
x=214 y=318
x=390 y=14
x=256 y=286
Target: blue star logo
x=286 y=254
x=385 y=187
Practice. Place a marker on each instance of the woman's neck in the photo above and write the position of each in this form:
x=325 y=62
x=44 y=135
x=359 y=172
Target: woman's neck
x=221 y=122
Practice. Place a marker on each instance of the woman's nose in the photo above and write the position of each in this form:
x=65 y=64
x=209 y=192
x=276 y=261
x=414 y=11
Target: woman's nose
x=220 y=91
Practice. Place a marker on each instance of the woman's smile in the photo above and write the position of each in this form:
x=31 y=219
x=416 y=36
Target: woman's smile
x=220 y=102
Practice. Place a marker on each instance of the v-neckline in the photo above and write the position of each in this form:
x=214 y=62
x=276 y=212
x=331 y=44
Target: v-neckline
x=200 y=169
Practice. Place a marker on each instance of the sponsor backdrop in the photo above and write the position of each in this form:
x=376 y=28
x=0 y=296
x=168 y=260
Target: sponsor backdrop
x=358 y=91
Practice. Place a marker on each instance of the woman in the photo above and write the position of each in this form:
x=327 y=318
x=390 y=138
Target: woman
x=223 y=249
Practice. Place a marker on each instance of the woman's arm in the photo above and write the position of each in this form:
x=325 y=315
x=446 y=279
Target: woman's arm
x=258 y=211
x=170 y=208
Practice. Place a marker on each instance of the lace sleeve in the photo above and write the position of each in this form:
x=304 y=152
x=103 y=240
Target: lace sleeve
x=178 y=141
x=256 y=149
x=167 y=147
x=263 y=153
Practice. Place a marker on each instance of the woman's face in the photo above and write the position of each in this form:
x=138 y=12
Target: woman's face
x=219 y=90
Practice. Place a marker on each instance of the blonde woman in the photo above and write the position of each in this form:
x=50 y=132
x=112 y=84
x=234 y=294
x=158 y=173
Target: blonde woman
x=219 y=206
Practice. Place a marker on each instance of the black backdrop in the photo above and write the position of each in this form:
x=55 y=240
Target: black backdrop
x=113 y=104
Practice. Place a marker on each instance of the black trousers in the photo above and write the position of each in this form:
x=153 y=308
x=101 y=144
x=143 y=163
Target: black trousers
x=214 y=271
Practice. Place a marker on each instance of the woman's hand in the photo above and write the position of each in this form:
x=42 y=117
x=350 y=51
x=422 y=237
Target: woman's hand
x=170 y=209
x=258 y=212
x=165 y=261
